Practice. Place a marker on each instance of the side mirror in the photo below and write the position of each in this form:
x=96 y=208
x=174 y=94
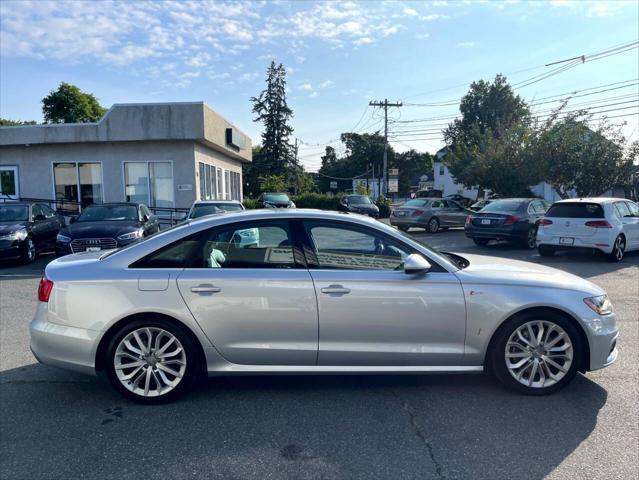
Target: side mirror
x=145 y=218
x=38 y=218
x=415 y=263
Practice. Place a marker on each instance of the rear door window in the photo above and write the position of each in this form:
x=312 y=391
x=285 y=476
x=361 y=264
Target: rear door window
x=634 y=209
x=575 y=210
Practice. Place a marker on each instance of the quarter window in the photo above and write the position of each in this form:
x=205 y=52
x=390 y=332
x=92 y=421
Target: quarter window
x=634 y=209
x=622 y=209
x=245 y=245
x=344 y=247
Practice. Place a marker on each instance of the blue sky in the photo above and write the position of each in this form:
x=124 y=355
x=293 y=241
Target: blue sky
x=339 y=56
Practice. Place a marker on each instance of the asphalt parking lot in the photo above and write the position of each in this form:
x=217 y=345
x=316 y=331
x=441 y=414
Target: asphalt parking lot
x=59 y=425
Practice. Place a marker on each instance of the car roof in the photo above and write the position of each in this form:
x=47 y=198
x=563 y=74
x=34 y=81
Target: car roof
x=114 y=204
x=593 y=200
x=228 y=202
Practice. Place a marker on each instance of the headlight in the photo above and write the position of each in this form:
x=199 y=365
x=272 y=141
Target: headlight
x=132 y=235
x=62 y=238
x=17 y=235
x=600 y=304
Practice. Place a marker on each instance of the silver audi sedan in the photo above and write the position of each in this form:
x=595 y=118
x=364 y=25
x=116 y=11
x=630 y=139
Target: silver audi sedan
x=319 y=292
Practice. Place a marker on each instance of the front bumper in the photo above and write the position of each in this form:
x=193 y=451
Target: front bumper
x=11 y=249
x=602 y=335
x=62 y=346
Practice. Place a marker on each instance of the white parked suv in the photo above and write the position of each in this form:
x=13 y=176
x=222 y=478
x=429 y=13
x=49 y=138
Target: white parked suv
x=610 y=225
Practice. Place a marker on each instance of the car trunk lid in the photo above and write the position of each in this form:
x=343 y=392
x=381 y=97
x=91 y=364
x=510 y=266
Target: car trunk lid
x=573 y=219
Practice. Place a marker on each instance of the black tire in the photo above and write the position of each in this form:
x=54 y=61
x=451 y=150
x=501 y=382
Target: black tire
x=546 y=250
x=530 y=240
x=618 y=249
x=30 y=253
x=433 y=225
x=496 y=355
x=403 y=228
x=192 y=370
x=481 y=242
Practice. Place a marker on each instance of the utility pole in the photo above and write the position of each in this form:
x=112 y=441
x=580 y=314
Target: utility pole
x=385 y=104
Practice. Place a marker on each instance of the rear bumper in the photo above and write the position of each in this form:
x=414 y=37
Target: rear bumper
x=407 y=222
x=603 y=241
x=62 y=346
x=516 y=232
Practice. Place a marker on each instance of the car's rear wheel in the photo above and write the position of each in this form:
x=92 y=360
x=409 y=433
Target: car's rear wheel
x=151 y=361
x=546 y=250
x=403 y=228
x=618 y=249
x=536 y=353
x=481 y=241
x=29 y=254
x=530 y=241
x=433 y=225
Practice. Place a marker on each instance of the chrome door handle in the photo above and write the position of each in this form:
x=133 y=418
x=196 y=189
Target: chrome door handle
x=206 y=289
x=336 y=289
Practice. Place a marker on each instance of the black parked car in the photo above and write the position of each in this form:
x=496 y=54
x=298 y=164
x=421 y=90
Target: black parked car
x=106 y=226
x=27 y=228
x=274 y=200
x=511 y=219
x=359 y=204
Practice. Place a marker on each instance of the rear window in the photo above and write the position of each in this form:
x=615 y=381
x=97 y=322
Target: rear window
x=575 y=210
x=503 y=206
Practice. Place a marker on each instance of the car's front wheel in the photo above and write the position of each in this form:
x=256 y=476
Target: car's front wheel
x=29 y=253
x=536 y=353
x=151 y=361
x=433 y=225
x=546 y=250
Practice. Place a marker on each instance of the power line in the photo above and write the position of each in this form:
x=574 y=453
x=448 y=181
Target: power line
x=385 y=104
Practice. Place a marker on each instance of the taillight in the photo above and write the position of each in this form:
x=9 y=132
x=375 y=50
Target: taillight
x=598 y=224
x=468 y=220
x=44 y=289
x=511 y=220
x=544 y=221
x=417 y=212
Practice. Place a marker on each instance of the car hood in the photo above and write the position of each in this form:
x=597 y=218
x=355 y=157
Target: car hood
x=364 y=207
x=497 y=270
x=99 y=229
x=10 y=227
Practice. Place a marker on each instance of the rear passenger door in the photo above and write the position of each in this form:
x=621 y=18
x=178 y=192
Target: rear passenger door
x=630 y=222
x=248 y=287
x=455 y=214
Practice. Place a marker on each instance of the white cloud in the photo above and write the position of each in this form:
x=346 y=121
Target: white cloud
x=364 y=41
x=249 y=77
x=422 y=36
x=465 y=44
x=326 y=84
x=307 y=87
x=199 y=59
x=312 y=95
x=411 y=12
x=432 y=17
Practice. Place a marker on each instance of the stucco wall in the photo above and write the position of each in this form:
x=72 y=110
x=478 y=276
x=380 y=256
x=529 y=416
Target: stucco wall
x=35 y=165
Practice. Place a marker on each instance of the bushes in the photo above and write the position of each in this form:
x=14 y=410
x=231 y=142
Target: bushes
x=384 y=205
x=317 y=200
x=250 y=203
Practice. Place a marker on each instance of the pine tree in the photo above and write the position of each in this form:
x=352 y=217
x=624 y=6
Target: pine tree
x=276 y=154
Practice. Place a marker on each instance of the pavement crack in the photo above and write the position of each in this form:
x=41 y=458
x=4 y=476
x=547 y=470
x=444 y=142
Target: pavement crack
x=420 y=433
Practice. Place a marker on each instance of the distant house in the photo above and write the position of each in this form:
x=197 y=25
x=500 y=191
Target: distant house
x=422 y=181
x=444 y=180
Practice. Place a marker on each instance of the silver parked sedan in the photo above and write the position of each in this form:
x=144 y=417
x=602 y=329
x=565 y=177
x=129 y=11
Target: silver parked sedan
x=429 y=213
x=319 y=293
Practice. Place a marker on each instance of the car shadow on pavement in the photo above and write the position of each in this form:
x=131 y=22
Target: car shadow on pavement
x=359 y=426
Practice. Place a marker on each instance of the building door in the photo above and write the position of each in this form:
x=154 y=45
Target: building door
x=9 y=182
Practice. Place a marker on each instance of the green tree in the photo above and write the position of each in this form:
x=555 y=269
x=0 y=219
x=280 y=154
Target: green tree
x=276 y=154
x=5 y=122
x=410 y=163
x=487 y=146
x=69 y=104
x=577 y=158
x=272 y=183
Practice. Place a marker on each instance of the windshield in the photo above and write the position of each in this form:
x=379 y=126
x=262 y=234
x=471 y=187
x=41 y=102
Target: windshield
x=359 y=200
x=276 y=197
x=14 y=213
x=503 y=206
x=109 y=213
x=202 y=209
x=416 y=203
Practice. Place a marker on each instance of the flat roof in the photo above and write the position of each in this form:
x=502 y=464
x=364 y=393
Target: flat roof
x=138 y=122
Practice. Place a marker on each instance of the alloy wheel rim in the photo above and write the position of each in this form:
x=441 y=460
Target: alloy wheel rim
x=433 y=225
x=30 y=249
x=539 y=354
x=532 y=238
x=150 y=362
x=619 y=248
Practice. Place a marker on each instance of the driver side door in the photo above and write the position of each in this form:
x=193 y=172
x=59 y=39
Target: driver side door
x=370 y=311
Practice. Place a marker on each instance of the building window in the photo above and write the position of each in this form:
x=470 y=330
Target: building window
x=150 y=183
x=441 y=170
x=227 y=184
x=79 y=183
x=220 y=183
x=9 y=182
x=208 y=181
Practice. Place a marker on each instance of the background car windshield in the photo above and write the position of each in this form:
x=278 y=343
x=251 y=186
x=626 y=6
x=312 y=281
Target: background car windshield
x=359 y=200
x=204 y=209
x=503 y=206
x=276 y=197
x=416 y=203
x=576 y=210
x=105 y=213
x=14 y=213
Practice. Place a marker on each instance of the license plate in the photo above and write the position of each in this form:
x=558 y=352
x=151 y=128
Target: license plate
x=401 y=214
x=93 y=249
x=485 y=221
x=566 y=241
